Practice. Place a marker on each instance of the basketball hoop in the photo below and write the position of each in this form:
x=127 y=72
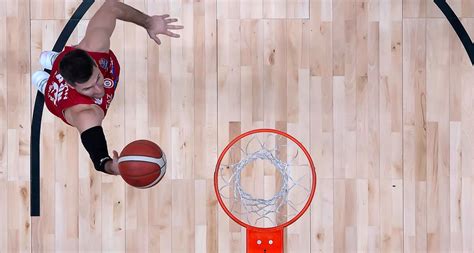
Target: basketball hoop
x=265 y=180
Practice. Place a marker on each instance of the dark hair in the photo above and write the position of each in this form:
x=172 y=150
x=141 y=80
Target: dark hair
x=76 y=67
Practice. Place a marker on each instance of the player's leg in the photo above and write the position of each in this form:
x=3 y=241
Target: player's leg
x=47 y=59
x=39 y=79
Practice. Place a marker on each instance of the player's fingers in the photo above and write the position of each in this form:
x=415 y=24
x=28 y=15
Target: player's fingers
x=165 y=16
x=172 y=34
x=115 y=155
x=155 y=38
x=174 y=26
x=171 y=20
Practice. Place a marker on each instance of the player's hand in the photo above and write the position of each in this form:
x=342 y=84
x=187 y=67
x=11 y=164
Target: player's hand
x=111 y=167
x=161 y=25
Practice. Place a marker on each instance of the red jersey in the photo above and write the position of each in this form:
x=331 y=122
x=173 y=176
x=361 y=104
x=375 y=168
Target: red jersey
x=59 y=96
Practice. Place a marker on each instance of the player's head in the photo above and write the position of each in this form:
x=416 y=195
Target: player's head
x=81 y=73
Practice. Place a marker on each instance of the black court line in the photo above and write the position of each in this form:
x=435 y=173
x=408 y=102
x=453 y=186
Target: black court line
x=458 y=27
x=38 y=112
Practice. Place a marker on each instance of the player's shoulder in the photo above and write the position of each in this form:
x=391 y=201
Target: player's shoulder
x=91 y=48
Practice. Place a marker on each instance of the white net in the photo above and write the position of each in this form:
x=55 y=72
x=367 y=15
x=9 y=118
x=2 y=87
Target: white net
x=265 y=179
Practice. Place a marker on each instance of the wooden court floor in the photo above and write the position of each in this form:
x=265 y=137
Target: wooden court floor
x=381 y=92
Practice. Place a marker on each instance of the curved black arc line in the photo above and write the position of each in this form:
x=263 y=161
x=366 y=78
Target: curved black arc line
x=38 y=112
x=458 y=27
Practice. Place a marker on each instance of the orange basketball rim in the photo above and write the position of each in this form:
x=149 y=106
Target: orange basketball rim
x=265 y=217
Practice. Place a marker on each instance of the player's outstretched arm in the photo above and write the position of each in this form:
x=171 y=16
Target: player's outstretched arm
x=154 y=25
x=100 y=28
x=102 y=25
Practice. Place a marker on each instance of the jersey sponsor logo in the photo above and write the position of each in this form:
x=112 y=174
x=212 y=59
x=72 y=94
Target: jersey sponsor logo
x=58 y=92
x=109 y=100
x=104 y=63
x=112 y=68
x=112 y=72
x=108 y=83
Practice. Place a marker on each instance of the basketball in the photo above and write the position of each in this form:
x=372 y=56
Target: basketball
x=142 y=164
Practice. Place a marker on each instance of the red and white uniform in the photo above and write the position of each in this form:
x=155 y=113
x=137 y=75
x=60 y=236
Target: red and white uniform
x=59 y=96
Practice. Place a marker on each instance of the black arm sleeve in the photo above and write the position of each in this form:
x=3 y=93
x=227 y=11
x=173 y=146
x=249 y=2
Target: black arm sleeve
x=94 y=141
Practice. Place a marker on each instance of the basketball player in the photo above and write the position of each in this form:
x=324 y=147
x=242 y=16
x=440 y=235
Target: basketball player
x=84 y=77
